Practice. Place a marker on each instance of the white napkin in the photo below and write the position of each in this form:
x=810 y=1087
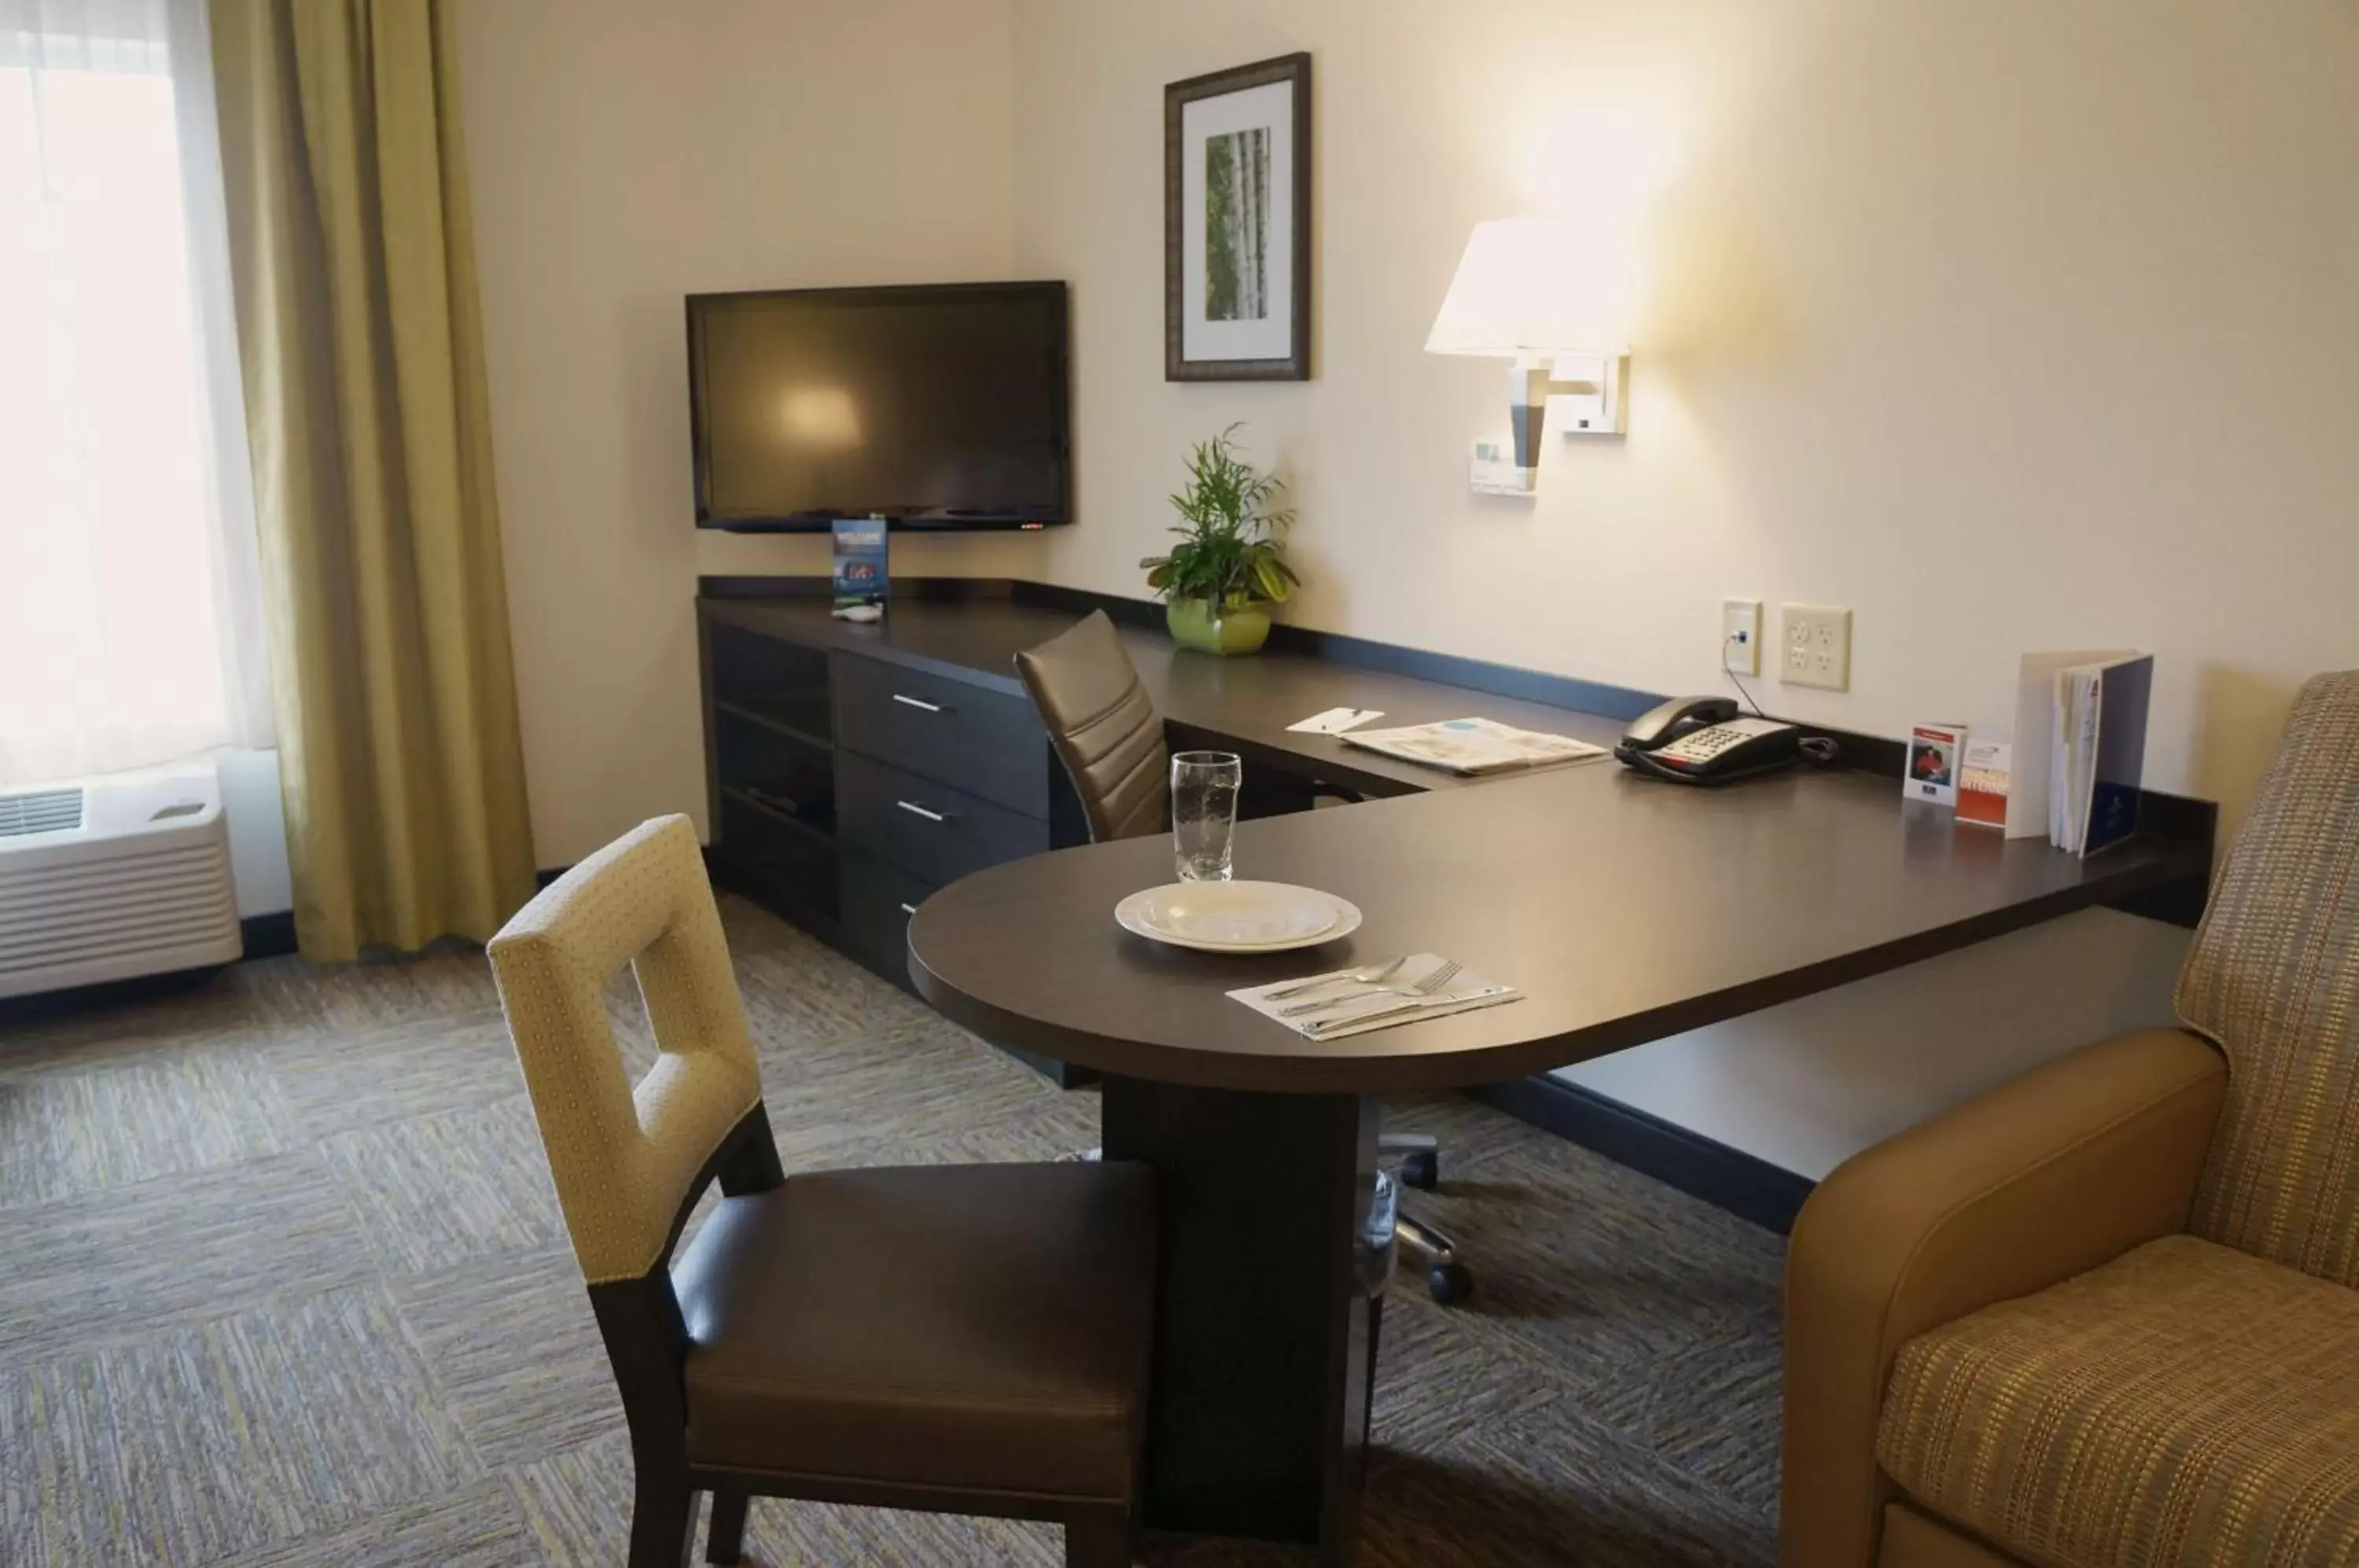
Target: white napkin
x=1335 y=721
x=1358 y=1008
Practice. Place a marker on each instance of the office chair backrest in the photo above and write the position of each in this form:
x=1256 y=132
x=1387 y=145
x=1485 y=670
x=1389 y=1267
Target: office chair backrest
x=2273 y=978
x=626 y=1161
x=1105 y=727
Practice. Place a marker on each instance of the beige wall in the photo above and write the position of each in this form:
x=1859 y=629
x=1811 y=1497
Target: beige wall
x=2007 y=326
x=625 y=154
x=2012 y=325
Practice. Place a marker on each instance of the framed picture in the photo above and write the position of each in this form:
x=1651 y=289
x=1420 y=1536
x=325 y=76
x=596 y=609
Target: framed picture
x=1236 y=223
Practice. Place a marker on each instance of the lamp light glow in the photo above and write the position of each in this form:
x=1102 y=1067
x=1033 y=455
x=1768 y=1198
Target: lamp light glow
x=1554 y=297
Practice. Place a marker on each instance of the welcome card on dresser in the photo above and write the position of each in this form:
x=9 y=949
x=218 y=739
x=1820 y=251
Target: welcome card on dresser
x=862 y=567
x=1473 y=745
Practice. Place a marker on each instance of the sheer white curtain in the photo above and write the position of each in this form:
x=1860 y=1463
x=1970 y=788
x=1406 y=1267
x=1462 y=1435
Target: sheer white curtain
x=130 y=615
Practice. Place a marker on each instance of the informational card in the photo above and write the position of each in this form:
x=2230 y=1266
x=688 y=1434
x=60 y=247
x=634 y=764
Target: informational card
x=1984 y=782
x=1335 y=721
x=1935 y=753
x=861 y=562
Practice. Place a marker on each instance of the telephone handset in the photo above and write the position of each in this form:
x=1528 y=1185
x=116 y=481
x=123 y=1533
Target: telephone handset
x=1705 y=740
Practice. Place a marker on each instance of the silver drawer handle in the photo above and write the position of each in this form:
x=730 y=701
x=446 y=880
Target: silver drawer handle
x=908 y=909
x=915 y=702
x=917 y=810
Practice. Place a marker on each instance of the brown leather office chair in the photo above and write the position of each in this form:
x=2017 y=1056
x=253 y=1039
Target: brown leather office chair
x=1107 y=734
x=967 y=1339
x=2107 y=1314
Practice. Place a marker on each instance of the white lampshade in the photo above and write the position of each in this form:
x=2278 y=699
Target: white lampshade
x=1536 y=286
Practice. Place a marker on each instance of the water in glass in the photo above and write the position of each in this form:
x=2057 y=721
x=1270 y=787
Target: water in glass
x=1204 y=812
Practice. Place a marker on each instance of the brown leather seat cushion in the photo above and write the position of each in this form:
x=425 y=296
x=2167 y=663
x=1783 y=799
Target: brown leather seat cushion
x=980 y=1326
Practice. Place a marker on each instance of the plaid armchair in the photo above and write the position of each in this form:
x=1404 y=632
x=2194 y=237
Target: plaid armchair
x=2107 y=1314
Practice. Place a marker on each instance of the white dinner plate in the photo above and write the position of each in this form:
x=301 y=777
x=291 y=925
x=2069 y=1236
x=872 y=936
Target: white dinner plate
x=1237 y=917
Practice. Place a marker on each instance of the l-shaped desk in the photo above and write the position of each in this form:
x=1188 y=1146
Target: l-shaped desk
x=1625 y=910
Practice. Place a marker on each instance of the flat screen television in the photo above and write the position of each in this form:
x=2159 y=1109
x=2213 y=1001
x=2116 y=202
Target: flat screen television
x=940 y=407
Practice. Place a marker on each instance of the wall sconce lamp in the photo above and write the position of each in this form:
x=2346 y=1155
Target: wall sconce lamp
x=1552 y=296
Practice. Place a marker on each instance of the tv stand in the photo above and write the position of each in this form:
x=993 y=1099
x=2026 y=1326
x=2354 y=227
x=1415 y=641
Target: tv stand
x=849 y=776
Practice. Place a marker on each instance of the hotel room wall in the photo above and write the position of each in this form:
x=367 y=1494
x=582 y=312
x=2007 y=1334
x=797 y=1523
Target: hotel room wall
x=624 y=155
x=2009 y=326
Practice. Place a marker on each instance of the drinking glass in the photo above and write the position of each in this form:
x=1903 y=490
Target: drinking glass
x=1204 y=812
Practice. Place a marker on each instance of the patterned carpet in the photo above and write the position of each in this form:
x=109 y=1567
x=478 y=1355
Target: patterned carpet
x=282 y=1281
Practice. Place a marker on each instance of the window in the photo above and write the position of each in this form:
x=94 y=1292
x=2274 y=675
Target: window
x=127 y=599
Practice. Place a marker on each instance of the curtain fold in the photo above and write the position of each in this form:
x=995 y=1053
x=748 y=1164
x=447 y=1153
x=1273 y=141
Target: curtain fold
x=352 y=256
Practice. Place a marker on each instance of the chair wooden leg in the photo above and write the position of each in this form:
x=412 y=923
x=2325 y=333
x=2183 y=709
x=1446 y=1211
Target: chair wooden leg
x=663 y=1521
x=724 y=1538
x=1101 y=1538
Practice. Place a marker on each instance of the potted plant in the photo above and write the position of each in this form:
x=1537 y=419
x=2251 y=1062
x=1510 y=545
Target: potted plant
x=1230 y=562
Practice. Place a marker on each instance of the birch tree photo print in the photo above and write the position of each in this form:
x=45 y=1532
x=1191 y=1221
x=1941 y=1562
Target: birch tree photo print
x=1236 y=225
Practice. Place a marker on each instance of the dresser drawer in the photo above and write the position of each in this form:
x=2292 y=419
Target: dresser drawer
x=929 y=830
x=983 y=742
x=877 y=900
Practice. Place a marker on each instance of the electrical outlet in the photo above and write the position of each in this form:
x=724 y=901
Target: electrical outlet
x=1740 y=636
x=1815 y=649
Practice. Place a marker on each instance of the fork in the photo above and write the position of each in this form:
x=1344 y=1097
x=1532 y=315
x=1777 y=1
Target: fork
x=1366 y=974
x=1424 y=986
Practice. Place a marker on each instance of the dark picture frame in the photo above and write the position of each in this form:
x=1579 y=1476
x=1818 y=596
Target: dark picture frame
x=1222 y=293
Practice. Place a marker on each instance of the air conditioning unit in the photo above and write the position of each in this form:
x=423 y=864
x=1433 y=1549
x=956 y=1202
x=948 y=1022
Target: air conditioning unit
x=113 y=876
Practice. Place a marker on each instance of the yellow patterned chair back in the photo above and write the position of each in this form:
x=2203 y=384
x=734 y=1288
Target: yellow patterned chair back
x=2274 y=979
x=626 y=1157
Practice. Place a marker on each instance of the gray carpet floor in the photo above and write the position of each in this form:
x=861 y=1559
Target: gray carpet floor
x=283 y=1282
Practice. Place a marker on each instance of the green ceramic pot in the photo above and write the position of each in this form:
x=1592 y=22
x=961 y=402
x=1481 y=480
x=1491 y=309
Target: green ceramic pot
x=1195 y=623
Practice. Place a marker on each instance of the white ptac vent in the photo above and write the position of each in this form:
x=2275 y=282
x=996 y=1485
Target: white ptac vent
x=113 y=876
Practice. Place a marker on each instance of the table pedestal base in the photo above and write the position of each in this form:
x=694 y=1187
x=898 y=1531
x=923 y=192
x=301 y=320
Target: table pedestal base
x=1264 y=1331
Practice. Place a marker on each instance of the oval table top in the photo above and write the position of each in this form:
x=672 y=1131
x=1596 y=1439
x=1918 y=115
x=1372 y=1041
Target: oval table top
x=1624 y=909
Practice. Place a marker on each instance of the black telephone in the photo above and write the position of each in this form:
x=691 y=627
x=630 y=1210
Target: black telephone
x=1705 y=740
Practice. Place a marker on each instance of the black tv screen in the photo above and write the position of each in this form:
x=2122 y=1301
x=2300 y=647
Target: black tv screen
x=938 y=407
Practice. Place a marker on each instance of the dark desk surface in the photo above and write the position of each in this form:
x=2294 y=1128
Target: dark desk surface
x=1244 y=704
x=1626 y=910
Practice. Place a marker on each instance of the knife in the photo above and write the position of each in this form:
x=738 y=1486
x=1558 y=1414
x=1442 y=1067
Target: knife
x=1447 y=998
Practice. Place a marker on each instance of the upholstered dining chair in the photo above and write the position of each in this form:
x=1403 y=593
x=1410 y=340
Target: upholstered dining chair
x=1103 y=728
x=2107 y=1314
x=970 y=1339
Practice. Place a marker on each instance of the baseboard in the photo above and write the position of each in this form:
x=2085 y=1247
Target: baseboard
x=42 y=1006
x=267 y=936
x=1746 y=1185
x=273 y=935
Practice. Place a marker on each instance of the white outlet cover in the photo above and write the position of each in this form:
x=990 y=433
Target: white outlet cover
x=1814 y=646
x=1740 y=619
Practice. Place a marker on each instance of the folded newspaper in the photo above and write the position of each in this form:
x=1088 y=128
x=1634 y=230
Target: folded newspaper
x=1473 y=745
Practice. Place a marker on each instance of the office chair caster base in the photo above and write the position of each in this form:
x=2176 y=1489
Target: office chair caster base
x=1422 y=1170
x=1447 y=1280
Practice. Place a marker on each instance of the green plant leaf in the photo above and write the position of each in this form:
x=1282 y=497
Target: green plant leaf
x=1230 y=548
x=1268 y=579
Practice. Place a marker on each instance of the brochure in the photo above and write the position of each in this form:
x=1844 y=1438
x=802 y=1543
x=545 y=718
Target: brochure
x=1473 y=745
x=1983 y=783
x=861 y=575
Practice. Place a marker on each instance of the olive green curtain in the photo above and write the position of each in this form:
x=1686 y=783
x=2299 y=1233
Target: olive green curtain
x=353 y=258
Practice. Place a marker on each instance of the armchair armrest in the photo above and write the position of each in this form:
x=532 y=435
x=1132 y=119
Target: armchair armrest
x=2045 y=1177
